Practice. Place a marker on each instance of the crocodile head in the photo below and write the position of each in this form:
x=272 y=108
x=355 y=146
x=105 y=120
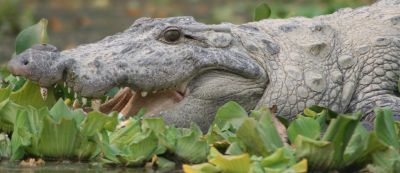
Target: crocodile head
x=39 y=63
x=186 y=69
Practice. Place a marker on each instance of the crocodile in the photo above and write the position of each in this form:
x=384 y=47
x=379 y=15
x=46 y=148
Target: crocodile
x=184 y=70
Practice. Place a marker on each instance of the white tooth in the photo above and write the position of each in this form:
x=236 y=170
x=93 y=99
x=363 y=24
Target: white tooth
x=182 y=88
x=143 y=93
x=43 y=92
x=76 y=105
x=96 y=103
x=121 y=116
x=84 y=101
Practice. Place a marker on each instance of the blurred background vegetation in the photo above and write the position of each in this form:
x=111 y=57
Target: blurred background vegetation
x=76 y=22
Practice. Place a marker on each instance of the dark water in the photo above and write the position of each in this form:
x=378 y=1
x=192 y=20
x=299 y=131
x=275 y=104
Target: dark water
x=54 y=167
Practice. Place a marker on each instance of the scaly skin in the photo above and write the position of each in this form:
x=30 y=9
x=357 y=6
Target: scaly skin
x=347 y=61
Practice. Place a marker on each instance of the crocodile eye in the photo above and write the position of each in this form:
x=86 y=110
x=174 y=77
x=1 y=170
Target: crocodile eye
x=172 y=35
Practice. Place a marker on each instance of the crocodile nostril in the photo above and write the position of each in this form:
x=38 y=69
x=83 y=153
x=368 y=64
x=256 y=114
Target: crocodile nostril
x=25 y=62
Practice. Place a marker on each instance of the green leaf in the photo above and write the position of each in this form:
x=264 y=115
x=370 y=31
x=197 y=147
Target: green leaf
x=259 y=136
x=256 y=139
x=95 y=122
x=122 y=136
x=130 y=146
x=318 y=153
x=168 y=138
x=285 y=121
x=16 y=83
x=385 y=127
x=8 y=112
x=280 y=159
x=112 y=122
x=37 y=133
x=231 y=164
x=230 y=113
x=110 y=153
x=234 y=149
x=30 y=94
x=321 y=114
x=5 y=146
x=262 y=11
x=157 y=125
x=165 y=165
x=360 y=150
x=32 y=35
x=4 y=73
x=4 y=93
x=57 y=139
x=329 y=153
x=201 y=168
x=112 y=92
x=356 y=144
x=88 y=148
x=387 y=161
x=26 y=129
x=61 y=111
x=301 y=167
x=316 y=111
x=339 y=132
x=257 y=168
x=215 y=134
x=267 y=123
x=190 y=147
x=142 y=148
x=304 y=126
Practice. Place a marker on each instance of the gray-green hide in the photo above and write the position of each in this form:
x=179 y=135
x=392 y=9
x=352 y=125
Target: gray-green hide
x=347 y=61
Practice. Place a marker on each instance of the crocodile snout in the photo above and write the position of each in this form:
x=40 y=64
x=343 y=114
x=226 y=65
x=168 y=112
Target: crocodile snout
x=20 y=65
x=37 y=63
x=16 y=67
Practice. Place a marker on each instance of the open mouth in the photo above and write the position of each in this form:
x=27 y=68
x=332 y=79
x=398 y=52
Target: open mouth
x=129 y=102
